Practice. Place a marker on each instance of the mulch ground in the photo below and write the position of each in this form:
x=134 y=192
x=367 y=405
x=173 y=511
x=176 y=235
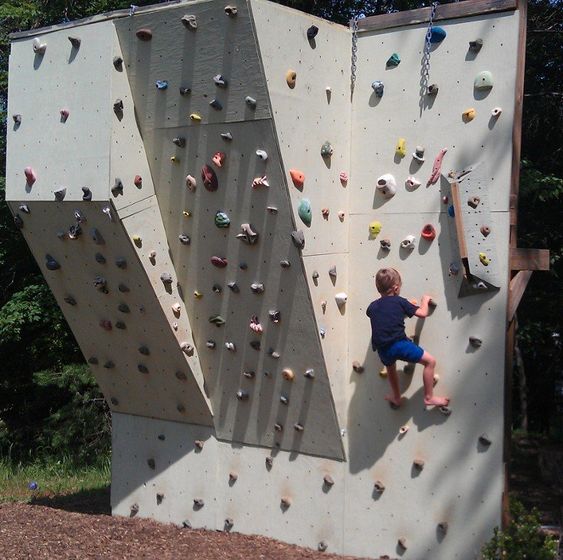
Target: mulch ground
x=37 y=532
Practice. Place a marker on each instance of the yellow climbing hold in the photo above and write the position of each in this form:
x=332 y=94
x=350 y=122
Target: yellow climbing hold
x=195 y=117
x=468 y=114
x=197 y=294
x=383 y=372
x=174 y=159
x=484 y=259
x=291 y=78
x=187 y=213
x=375 y=228
x=401 y=147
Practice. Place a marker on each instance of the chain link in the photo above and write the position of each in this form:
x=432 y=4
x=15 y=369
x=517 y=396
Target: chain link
x=426 y=57
x=354 y=26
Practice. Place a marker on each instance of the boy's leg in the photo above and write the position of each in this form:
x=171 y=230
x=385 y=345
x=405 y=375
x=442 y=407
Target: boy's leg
x=395 y=397
x=429 y=363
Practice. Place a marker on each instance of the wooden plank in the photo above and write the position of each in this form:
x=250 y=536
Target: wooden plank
x=516 y=291
x=458 y=221
x=446 y=11
x=529 y=259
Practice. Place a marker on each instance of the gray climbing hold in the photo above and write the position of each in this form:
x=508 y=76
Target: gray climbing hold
x=273 y=354
x=315 y=275
x=243 y=266
x=483 y=80
x=216 y=104
x=75 y=42
x=124 y=308
x=278 y=427
x=217 y=320
x=180 y=141
x=118 y=63
x=443 y=527
x=234 y=287
x=432 y=89
x=210 y=344
x=117 y=188
x=285 y=264
x=322 y=546
x=304 y=211
x=17 y=119
x=190 y=22
x=284 y=399
x=100 y=283
x=418 y=154
x=184 y=239
x=231 y=10
x=198 y=502
x=39 y=47
x=216 y=288
x=151 y=463
x=166 y=278
x=298 y=427
x=385 y=244
x=379 y=487
x=51 y=263
x=476 y=45
x=100 y=258
x=74 y=231
x=86 y=194
x=275 y=315
x=269 y=462
x=484 y=440
x=220 y=81
x=185 y=91
x=298 y=239
x=257 y=287
x=332 y=272
x=242 y=395
x=24 y=208
x=327 y=150
x=248 y=235
x=249 y=374
x=250 y=101
x=226 y=136
x=309 y=373
x=70 y=300
x=393 y=61
x=378 y=87
x=60 y=194
x=475 y=341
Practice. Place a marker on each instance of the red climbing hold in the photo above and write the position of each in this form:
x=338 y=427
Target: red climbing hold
x=209 y=178
x=428 y=232
x=298 y=178
x=138 y=181
x=30 y=175
x=219 y=262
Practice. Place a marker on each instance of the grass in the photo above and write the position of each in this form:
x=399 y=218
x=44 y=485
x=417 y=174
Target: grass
x=55 y=478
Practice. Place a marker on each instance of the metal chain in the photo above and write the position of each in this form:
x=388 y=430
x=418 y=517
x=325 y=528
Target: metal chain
x=354 y=26
x=426 y=57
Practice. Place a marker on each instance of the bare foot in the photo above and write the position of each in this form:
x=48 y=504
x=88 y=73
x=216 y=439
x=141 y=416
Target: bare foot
x=437 y=401
x=393 y=401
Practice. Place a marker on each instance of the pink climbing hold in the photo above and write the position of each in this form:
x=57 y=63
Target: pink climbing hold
x=219 y=262
x=437 y=168
x=138 y=181
x=219 y=159
x=344 y=178
x=255 y=325
x=64 y=114
x=30 y=175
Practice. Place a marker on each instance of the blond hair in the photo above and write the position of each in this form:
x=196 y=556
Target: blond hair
x=386 y=279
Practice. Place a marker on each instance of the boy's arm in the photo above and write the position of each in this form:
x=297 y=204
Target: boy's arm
x=423 y=310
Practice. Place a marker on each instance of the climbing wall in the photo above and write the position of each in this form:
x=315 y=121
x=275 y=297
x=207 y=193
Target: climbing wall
x=209 y=205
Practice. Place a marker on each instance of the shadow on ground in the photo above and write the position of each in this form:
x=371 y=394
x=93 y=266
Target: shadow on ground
x=92 y=502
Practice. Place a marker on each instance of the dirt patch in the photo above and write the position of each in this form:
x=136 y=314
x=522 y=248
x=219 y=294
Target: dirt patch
x=40 y=532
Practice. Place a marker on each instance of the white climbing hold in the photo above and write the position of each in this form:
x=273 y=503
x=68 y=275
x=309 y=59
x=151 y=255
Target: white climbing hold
x=260 y=182
x=412 y=182
x=262 y=154
x=187 y=348
x=107 y=211
x=341 y=298
x=38 y=46
x=408 y=242
x=176 y=308
x=496 y=112
x=387 y=185
x=230 y=346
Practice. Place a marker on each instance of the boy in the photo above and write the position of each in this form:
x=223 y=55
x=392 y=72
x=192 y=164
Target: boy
x=388 y=336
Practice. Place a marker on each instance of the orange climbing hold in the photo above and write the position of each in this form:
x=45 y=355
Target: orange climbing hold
x=428 y=232
x=298 y=178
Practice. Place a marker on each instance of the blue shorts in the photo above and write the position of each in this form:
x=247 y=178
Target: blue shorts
x=405 y=350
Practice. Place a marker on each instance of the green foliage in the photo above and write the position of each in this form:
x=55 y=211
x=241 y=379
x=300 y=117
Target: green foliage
x=522 y=540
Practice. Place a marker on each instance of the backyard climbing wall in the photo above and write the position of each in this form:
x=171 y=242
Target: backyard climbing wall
x=209 y=206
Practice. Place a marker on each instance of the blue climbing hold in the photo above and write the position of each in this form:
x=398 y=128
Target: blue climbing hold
x=451 y=211
x=161 y=84
x=437 y=35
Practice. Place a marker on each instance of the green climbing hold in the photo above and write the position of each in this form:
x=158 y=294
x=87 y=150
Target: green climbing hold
x=217 y=320
x=222 y=220
x=393 y=61
x=326 y=150
x=483 y=80
x=304 y=211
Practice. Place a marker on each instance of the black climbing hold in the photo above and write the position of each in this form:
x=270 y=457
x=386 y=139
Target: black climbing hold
x=115 y=402
x=161 y=437
x=298 y=239
x=180 y=141
x=18 y=222
x=243 y=266
x=284 y=399
x=118 y=63
x=100 y=258
x=181 y=376
x=97 y=237
x=312 y=32
x=220 y=81
x=75 y=42
x=476 y=45
x=255 y=344
x=74 y=231
x=142 y=368
x=100 y=283
x=70 y=300
x=93 y=360
x=117 y=188
x=121 y=262
x=278 y=427
x=275 y=315
x=109 y=365
x=60 y=194
x=144 y=350
x=86 y=194
x=151 y=463
x=234 y=287
x=216 y=104
x=17 y=119
x=269 y=462
x=120 y=325
x=51 y=263
x=285 y=264
x=484 y=440
x=123 y=288
x=118 y=106
x=185 y=91
x=124 y=308
x=216 y=288
x=226 y=136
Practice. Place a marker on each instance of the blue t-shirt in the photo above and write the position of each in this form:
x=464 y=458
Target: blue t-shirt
x=387 y=315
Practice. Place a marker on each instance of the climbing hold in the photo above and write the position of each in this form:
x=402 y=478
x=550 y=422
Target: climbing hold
x=378 y=87
x=273 y=354
x=357 y=367
x=475 y=341
x=219 y=262
x=285 y=502
x=298 y=178
x=51 y=263
x=216 y=104
x=443 y=527
x=70 y=300
x=196 y=117
x=284 y=399
x=255 y=344
x=151 y=463
x=332 y=272
x=124 y=308
x=341 y=298
x=343 y=177
x=210 y=181
x=419 y=154
x=38 y=46
x=210 y=344
x=186 y=213
x=243 y=266
x=30 y=175
x=304 y=211
x=428 y=232
x=234 y=287
x=187 y=348
x=216 y=288
x=219 y=158
x=387 y=185
x=60 y=194
x=496 y=112
x=222 y=220
x=242 y=395
x=185 y=91
x=260 y=182
x=436 y=167
x=278 y=427
x=485 y=261
x=249 y=374
x=288 y=374
x=189 y=21
x=121 y=262
x=325 y=212
x=451 y=211
x=298 y=427
x=290 y=78
x=100 y=283
x=262 y=154
x=437 y=34
x=231 y=10
x=198 y=502
x=86 y=194
x=255 y=325
x=454 y=269
x=418 y=464
x=322 y=332
x=233 y=476
x=257 y=287
x=412 y=182
x=379 y=487
x=403 y=429
x=401 y=148
x=312 y=32
x=375 y=228
x=17 y=119
x=315 y=275
x=191 y=182
x=476 y=45
x=432 y=89
x=166 y=278
x=474 y=201
x=485 y=230
x=298 y=239
x=272 y=209
x=483 y=80
x=226 y=136
x=285 y=264
x=309 y=373
x=220 y=81
x=118 y=63
x=217 y=320
x=326 y=150
x=74 y=231
x=161 y=84
x=250 y=101
x=402 y=543
x=117 y=188
x=105 y=324
x=144 y=34
x=393 y=61
x=469 y=114
x=120 y=325
x=184 y=239
x=484 y=440
x=408 y=242
x=180 y=141
x=144 y=350
x=248 y=235
x=142 y=368
x=138 y=240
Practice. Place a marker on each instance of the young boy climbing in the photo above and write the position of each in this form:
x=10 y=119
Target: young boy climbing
x=387 y=315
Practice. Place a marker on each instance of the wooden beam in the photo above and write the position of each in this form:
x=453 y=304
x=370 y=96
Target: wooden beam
x=446 y=11
x=516 y=291
x=529 y=259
